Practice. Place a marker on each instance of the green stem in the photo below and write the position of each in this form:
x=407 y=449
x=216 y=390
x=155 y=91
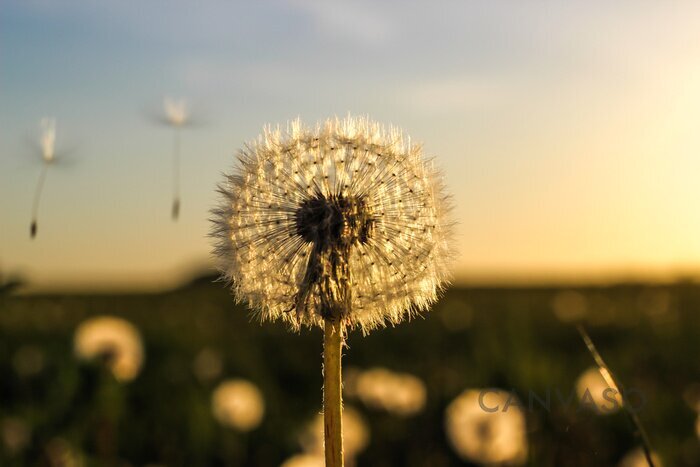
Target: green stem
x=332 y=396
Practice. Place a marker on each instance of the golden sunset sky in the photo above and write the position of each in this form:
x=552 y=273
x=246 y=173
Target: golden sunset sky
x=569 y=132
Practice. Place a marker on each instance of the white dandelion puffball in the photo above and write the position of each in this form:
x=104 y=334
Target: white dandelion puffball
x=397 y=393
x=305 y=460
x=47 y=139
x=114 y=340
x=356 y=434
x=347 y=219
x=594 y=392
x=483 y=427
x=238 y=404
x=636 y=458
x=176 y=111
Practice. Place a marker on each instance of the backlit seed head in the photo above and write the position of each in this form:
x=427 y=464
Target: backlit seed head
x=47 y=139
x=176 y=111
x=345 y=220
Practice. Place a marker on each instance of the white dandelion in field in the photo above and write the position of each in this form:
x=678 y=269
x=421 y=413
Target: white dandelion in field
x=487 y=426
x=47 y=144
x=345 y=219
x=177 y=115
x=400 y=394
x=340 y=226
x=305 y=460
x=114 y=340
x=356 y=435
x=637 y=458
x=596 y=393
x=238 y=404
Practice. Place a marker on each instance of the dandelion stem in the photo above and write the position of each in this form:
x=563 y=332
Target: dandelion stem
x=332 y=396
x=614 y=383
x=37 y=197
x=176 y=174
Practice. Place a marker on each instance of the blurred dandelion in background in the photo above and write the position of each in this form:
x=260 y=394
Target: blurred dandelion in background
x=305 y=460
x=596 y=393
x=456 y=314
x=47 y=144
x=15 y=434
x=397 y=393
x=487 y=426
x=114 y=341
x=28 y=360
x=207 y=365
x=238 y=404
x=636 y=458
x=60 y=453
x=569 y=306
x=356 y=435
x=691 y=396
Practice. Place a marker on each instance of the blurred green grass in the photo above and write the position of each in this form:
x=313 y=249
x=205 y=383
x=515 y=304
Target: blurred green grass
x=475 y=337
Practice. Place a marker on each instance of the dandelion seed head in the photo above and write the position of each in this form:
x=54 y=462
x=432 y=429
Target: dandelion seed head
x=47 y=139
x=347 y=218
x=176 y=111
x=480 y=434
x=114 y=340
x=238 y=404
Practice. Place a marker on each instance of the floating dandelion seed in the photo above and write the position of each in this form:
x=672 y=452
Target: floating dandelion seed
x=340 y=226
x=47 y=143
x=487 y=426
x=177 y=115
x=114 y=340
x=238 y=404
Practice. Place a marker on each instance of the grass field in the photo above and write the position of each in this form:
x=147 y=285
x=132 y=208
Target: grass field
x=55 y=408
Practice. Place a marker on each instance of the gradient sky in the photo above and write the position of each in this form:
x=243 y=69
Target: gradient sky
x=568 y=131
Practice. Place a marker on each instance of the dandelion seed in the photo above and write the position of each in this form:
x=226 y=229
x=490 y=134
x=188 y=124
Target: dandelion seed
x=113 y=340
x=483 y=427
x=340 y=226
x=238 y=404
x=177 y=116
x=47 y=143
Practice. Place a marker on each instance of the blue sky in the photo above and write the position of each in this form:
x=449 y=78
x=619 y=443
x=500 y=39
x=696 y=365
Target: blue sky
x=565 y=129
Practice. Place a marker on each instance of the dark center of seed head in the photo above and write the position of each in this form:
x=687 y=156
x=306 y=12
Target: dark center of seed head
x=334 y=221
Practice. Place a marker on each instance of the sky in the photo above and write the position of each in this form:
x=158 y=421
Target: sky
x=567 y=131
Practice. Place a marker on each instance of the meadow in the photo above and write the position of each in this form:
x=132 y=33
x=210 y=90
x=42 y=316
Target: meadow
x=58 y=410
